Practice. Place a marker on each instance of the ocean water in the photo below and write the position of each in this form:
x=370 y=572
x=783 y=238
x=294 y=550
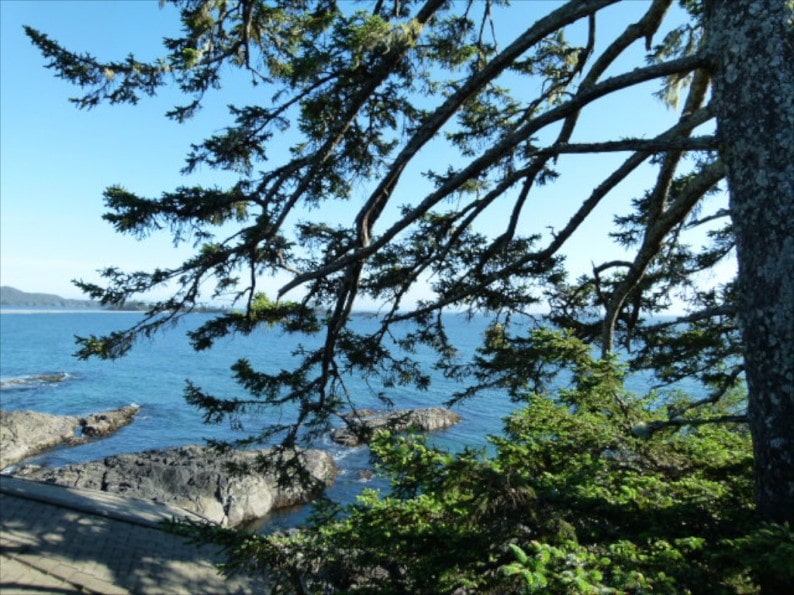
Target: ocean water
x=39 y=372
x=36 y=344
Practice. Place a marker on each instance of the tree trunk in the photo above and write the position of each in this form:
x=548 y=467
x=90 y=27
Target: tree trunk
x=751 y=50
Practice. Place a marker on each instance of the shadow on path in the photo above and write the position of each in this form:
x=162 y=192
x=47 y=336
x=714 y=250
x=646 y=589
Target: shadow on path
x=95 y=552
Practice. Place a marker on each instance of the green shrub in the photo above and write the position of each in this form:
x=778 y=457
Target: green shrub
x=572 y=500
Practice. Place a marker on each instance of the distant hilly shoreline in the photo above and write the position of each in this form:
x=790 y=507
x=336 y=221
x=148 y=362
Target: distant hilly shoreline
x=10 y=296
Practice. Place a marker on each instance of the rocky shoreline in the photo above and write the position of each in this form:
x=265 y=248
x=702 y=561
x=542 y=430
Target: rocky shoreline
x=199 y=479
x=196 y=478
x=24 y=434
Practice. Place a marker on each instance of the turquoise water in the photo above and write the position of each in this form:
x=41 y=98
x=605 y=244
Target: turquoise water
x=154 y=373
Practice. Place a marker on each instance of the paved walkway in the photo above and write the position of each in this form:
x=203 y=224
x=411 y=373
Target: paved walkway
x=66 y=540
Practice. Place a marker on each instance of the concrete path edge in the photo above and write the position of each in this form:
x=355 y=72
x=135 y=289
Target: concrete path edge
x=121 y=508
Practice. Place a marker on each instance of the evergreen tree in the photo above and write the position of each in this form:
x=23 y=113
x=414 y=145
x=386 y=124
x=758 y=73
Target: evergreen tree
x=365 y=92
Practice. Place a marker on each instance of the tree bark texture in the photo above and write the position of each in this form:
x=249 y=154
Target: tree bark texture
x=751 y=53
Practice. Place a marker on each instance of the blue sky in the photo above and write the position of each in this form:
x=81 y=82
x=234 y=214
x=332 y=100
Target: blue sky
x=56 y=160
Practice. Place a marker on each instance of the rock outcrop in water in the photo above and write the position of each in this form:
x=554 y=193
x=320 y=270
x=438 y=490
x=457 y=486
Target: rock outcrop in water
x=363 y=423
x=24 y=434
x=198 y=479
x=34 y=380
x=97 y=425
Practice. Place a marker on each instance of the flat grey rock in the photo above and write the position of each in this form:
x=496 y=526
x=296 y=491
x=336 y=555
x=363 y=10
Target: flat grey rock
x=363 y=423
x=200 y=480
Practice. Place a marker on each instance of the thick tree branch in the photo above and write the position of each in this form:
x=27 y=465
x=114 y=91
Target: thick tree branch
x=722 y=310
x=476 y=167
x=647 y=430
x=657 y=145
x=382 y=72
x=565 y=15
x=645 y=27
x=652 y=241
x=560 y=238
